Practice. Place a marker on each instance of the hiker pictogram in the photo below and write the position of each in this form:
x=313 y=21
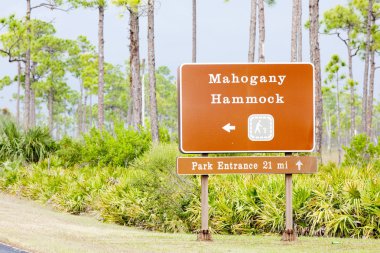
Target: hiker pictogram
x=260 y=127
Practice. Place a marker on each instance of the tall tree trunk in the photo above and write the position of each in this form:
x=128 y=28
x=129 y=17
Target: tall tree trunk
x=65 y=129
x=58 y=133
x=299 y=32
x=50 y=109
x=79 y=115
x=18 y=92
x=101 y=68
x=296 y=38
x=129 y=112
x=143 y=88
x=338 y=119
x=366 y=66
x=352 y=89
x=293 y=43
x=90 y=112
x=32 y=119
x=80 y=111
x=315 y=58
x=328 y=130
x=32 y=108
x=135 y=69
x=84 y=120
x=252 y=31
x=152 y=73
x=370 y=93
x=261 y=31
x=27 y=68
x=194 y=38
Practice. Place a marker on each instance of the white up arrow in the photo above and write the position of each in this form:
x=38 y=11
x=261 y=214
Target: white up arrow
x=228 y=128
x=299 y=164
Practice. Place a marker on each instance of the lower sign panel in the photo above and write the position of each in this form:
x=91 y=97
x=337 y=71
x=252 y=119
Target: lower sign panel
x=246 y=165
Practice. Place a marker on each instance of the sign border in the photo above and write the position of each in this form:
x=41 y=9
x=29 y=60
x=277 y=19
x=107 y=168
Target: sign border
x=272 y=171
x=179 y=86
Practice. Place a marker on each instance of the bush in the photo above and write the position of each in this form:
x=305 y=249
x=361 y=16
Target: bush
x=11 y=139
x=337 y=201
x=150 y=194
x=69 y=151
x=32 y=146
x=102 y=148
x=361 y=151
x=37 y=144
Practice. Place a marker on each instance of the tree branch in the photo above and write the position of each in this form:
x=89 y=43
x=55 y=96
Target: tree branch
x=51 y=7
x=356 y=51
x=344 y=40
x=10 y=57
x=324 y=33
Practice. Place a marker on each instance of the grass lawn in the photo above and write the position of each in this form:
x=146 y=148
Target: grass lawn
x=30 y=226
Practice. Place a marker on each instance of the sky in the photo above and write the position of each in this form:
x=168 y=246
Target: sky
x=222 y=33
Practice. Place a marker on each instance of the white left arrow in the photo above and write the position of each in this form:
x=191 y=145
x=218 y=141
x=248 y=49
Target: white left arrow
x=299 y=164
x=229 y=128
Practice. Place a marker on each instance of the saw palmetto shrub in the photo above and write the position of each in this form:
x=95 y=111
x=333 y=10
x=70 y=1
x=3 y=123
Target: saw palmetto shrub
x=149 y=194
x=32 y=145
x=37 y=144
x=337 y=201
x=11 y=138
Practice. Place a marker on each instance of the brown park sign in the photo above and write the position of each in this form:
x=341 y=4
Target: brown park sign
x=246 y=165
x=246 y=107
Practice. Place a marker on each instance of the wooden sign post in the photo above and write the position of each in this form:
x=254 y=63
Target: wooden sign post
x=204 y=234
x=289 y=233
x=266 y=107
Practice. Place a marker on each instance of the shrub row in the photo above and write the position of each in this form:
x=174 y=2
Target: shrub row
x=96 y=148
x=148 y=193
x=101 y=148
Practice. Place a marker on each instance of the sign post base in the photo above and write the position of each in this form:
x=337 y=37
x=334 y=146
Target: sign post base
x=204 y=235
x=289 y=235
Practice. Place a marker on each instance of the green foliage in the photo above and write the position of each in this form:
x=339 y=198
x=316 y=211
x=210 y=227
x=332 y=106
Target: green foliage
x=88 y=3
x=166 y=100
x=102 y=148
x=333 y=67
x=69 y=151
x=10 y=140
x=361 y=151
x=164 y=135
x=5 y=81
x=117 y=97
x=31 y=146
x=150 y=194
x=13 y=39
x=126 y=3
x=37 y=144
x=337 y=201
x=342 y=18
